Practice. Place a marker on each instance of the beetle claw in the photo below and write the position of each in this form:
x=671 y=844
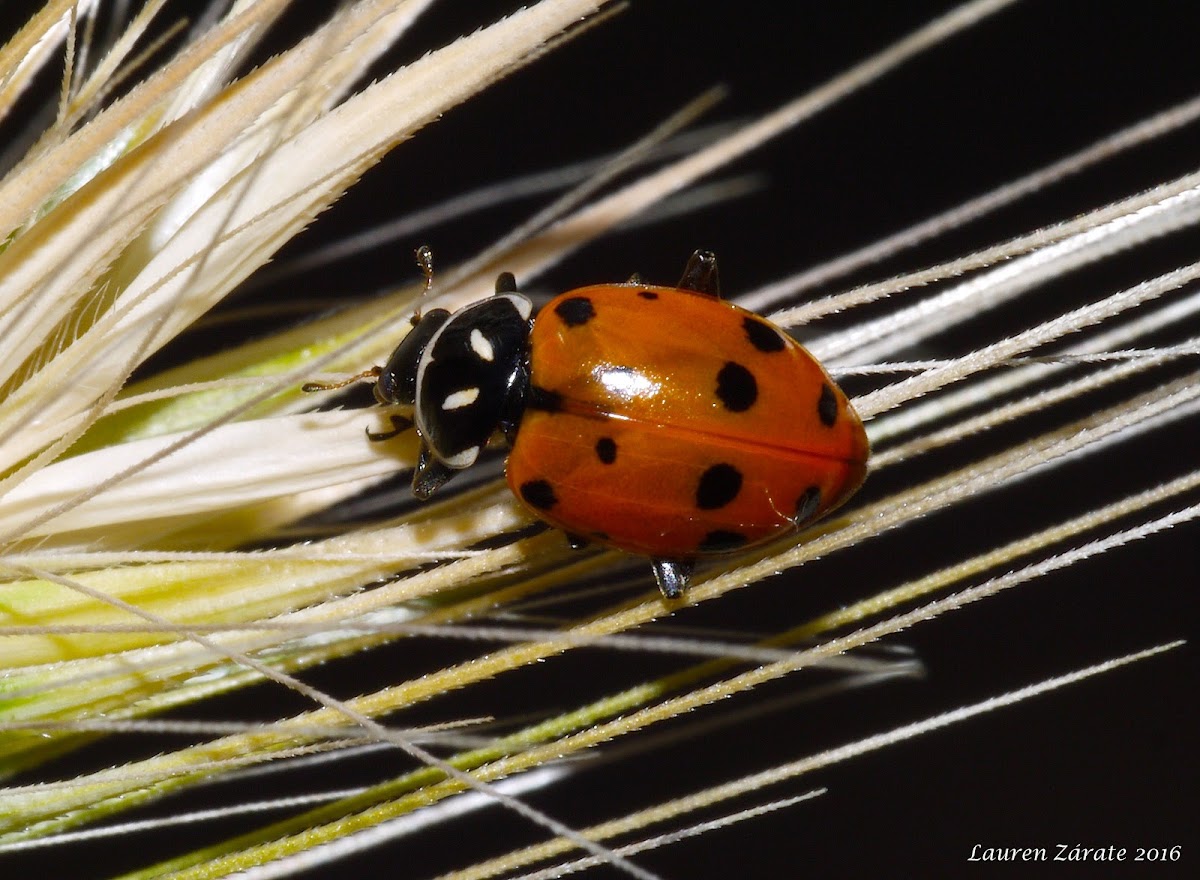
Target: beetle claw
x=430 y=474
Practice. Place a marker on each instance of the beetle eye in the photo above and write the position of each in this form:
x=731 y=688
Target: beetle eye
x=385 y=388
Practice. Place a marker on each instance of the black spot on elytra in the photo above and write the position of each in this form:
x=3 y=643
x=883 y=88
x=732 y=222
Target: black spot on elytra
x=606 y=450
x=576 y=311
x=721 y=540
x=807 y=503
x=736 y=387
x=762 y=335
x=718 y=486
x=543 y=399
x=539 y=494
x=827 y=406
x=647 y=294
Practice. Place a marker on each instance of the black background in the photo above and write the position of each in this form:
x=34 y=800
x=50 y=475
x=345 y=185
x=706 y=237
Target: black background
x=1107 y=762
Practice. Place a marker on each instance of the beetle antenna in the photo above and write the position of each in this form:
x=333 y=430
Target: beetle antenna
x=372 y=374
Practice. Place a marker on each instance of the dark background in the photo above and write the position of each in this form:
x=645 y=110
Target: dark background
x=1107 y=762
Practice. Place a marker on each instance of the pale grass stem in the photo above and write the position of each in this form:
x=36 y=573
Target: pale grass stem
x=173 y=535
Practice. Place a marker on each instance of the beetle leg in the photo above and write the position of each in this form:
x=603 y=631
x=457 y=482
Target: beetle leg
x=430 y=474
x=576 y=542
x=506 y=283
x=672 y=575
x=424 y=257
x=700 y=274
x=399 y=425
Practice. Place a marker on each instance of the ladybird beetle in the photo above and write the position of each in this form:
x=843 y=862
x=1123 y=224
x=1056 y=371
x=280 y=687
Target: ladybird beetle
x=661 y=421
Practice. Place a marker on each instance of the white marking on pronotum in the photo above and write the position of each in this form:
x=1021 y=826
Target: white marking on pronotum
x=463 y=459
x=459 y=399
x=481 y=346
x=523 y=306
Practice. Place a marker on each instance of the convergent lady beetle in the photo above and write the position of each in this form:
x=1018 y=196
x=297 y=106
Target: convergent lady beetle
x=661 y=421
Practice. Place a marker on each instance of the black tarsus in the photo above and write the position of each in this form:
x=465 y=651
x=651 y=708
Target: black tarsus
x=430 y=474
x=672 y=576
x=700 y=274
x=400 y=424
x=506 y=282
